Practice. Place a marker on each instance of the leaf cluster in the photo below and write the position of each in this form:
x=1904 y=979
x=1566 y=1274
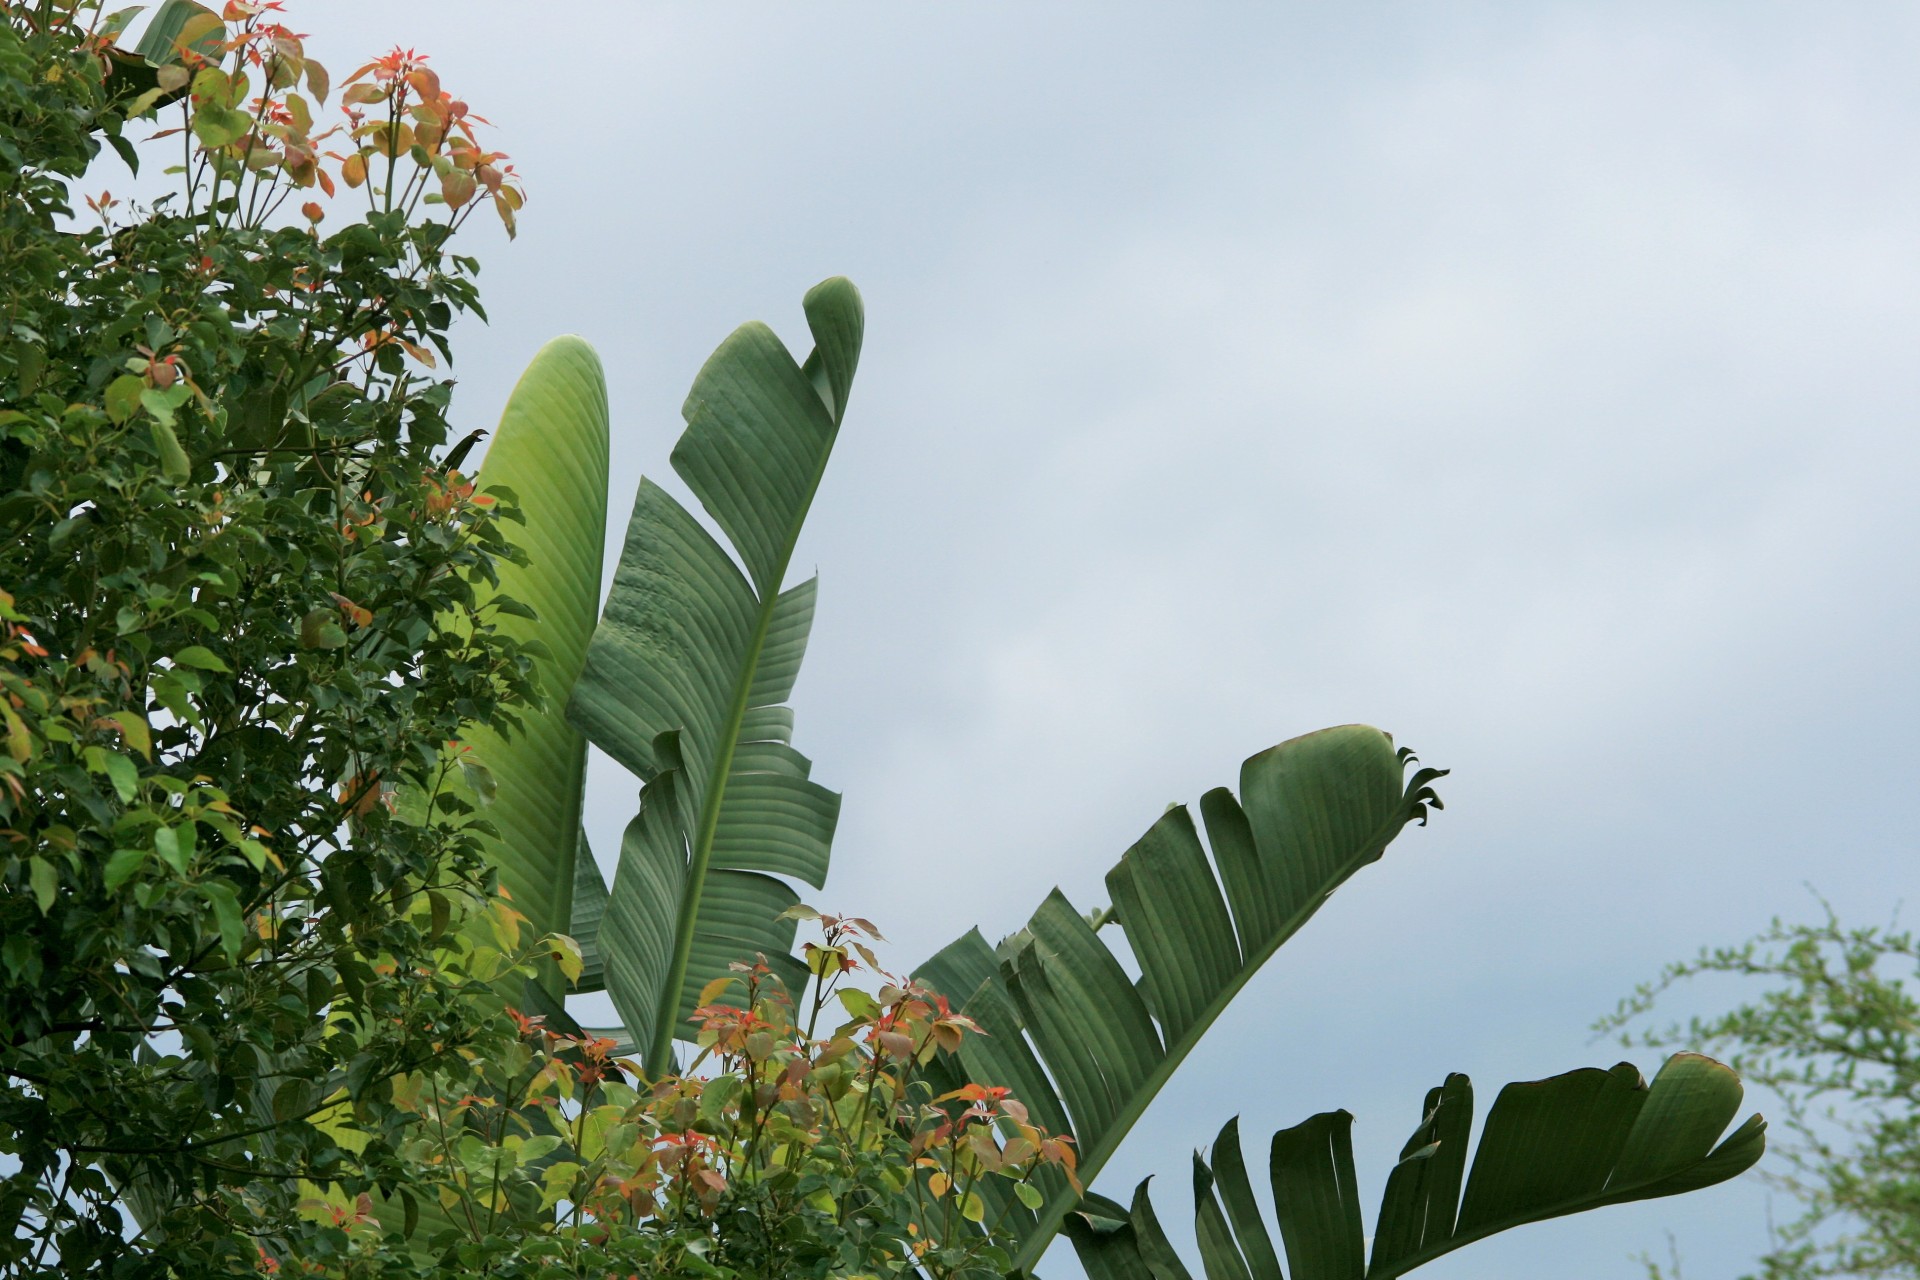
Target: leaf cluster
x=783 y=1149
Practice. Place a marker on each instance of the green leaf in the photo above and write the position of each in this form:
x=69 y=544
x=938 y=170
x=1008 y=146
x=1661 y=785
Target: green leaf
x=217 y=125
x=134 y=731
x=173 y=459
x=718 y=1094
x=123 y=396
x=589 y=906
x=1218 y=1254
x=175 y=846
x=170 y=24
x=1552 y=1147
x=200 y=657
x=226 y=914
x=123 y=773
x=566 y=955
x=1108 y=1244
x=551 y=450
x=1080 y=1043
x=1229 y=1174
x=45 y=880
x=695 y=654
x=121 y=866
x=532 y=1149
x=1318 y=1198
x=480 y=783
x=320 y=629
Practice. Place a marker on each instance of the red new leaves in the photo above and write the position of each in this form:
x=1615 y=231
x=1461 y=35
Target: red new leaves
x=863 y=1090
x=255 y=137
x=834 y=1141
x=424 y=121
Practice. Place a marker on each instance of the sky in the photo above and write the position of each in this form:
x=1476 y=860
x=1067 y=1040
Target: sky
x=1534 y=381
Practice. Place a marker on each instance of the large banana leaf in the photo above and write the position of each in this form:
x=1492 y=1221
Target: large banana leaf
x=1549 y=1148
x=551 y=451
x=1312 y=812
x=685 y=678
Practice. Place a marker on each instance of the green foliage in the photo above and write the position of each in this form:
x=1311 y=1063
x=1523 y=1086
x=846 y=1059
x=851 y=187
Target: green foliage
x=683 y=683
x=245 y=601
x=1835 y=1035
x=552 y=442
x=269 y=663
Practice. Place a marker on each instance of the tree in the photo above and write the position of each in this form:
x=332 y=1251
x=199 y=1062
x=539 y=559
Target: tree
x=242 y=614
x=1835 y=1035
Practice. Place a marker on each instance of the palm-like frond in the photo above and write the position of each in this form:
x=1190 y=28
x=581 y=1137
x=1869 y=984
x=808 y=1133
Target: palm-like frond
x=1057 y=1005
x=1552 y=1147
x=688 y=671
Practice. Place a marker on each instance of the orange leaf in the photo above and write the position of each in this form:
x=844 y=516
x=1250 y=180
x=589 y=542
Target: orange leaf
x=426 y=82
x=457 y=187
x=361 y=793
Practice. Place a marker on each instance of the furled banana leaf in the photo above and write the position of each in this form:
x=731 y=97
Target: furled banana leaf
x=550 y=451
x=687 y=674
x=1311 y=812
x=589 y=906
x=1549 y=1148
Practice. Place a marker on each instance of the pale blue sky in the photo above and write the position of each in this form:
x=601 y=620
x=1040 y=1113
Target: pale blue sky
x=1535 y=381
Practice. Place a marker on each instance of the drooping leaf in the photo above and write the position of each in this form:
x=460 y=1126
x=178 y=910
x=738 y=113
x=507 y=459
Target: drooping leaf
x=551 y=451
x=1103 y=1235
x=1311 y=812
x=687 y=674
x=1552 y=1147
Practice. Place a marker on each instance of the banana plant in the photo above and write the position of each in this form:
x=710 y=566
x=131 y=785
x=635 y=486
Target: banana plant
x=1574 y=1142
x=684 y=682
x=687 y=674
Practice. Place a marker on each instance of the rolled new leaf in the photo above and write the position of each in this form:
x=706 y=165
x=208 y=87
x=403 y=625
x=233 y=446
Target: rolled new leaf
x=550 y=451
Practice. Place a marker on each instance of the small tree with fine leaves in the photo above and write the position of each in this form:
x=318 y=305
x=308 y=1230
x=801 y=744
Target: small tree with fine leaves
x=1834 y=1032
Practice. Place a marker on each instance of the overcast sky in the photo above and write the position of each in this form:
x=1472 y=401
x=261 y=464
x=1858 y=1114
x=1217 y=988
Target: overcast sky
x=1534 y=381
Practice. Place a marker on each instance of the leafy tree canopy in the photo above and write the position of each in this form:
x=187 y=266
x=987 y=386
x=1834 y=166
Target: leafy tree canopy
x=1834 y=1032
x=243 y=615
